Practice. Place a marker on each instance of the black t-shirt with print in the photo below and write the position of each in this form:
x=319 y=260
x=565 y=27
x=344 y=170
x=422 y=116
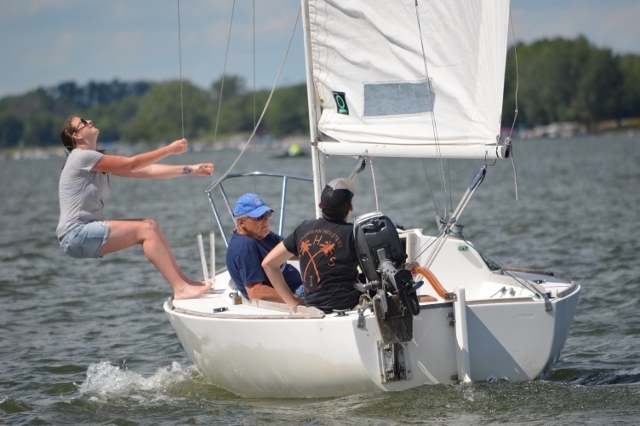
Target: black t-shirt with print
x=328 y=263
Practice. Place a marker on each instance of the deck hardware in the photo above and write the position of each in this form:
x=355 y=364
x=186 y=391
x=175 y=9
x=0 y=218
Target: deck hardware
x=394 y=362
x=340 y=312
x=361 y=319
x=463 y=248
x=451 y=319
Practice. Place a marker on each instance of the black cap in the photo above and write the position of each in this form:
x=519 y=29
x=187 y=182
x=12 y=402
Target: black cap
x=336 y=198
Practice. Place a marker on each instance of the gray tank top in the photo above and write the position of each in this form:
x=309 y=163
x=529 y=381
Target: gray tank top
x=82 y=192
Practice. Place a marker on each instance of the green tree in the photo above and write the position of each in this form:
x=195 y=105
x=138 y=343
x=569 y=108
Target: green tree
x=230 y=86
x=598 y=91
x=42 y=129
x=11 y=130
x=111 y=118
x=160 y=114
x=563 y=80
x=630 y=102
x=288 y=112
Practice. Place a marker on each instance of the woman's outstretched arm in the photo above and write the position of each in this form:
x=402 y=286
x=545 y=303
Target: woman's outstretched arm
x=167 y=171
x=117 y=164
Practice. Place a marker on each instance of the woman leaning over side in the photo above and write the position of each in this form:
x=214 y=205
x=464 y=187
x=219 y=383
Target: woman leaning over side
x=84 y=186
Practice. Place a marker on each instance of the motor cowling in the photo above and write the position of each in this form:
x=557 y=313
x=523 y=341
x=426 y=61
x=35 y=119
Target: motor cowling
x=382 y=258
x=373 y=232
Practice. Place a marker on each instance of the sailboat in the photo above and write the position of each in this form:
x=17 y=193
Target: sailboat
x=411 y=79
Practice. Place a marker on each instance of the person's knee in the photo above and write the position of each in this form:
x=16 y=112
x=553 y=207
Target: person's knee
x=151 y=227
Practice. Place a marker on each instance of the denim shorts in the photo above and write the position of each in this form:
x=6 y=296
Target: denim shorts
x=85 y=241
x=299 y=291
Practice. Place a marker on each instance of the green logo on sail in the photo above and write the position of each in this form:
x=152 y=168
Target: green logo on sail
x=341 y=102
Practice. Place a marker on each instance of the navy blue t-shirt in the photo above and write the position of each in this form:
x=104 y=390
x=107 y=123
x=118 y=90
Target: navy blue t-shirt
x=244 y=262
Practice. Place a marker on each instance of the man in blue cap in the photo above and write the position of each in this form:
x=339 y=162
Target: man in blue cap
x=251 y=241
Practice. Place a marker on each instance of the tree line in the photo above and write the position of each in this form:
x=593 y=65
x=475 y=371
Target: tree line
x=558 y=80
x=570 y=80
x=151 y=112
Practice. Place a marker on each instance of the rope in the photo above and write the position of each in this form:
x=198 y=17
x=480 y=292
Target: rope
x=275 y=84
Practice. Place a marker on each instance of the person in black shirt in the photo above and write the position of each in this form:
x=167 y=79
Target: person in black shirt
x=326 y=249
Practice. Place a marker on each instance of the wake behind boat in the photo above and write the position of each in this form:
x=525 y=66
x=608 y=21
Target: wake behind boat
x=433 y=309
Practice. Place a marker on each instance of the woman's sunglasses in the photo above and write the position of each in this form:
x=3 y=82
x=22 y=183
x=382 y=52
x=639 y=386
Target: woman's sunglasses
x=82 y=121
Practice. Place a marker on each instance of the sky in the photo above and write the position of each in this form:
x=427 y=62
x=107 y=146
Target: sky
x=47 y=42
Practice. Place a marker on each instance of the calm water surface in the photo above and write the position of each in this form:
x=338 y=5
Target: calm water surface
x=87 y=341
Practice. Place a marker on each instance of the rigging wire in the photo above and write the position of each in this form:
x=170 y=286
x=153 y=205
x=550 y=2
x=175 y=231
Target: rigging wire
x=193 y=203
x=515 y=115
x=375 y=187
x=180 y=65
x=434 y=125
x=254 y=156
x=424 y=167
x=221 y=92
x=254 y=63
x=224 y=73
x=264 y=110
x=495 y=263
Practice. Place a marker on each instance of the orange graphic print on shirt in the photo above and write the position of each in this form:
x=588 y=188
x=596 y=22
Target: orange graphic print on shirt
x=316 y=251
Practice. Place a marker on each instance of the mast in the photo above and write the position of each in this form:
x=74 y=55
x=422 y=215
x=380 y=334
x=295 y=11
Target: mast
x=317 y=160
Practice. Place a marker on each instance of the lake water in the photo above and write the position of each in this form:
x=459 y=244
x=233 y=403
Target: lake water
x=87 y=341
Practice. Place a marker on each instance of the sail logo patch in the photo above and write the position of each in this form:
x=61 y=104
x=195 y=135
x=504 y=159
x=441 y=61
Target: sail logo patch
x=341 y=102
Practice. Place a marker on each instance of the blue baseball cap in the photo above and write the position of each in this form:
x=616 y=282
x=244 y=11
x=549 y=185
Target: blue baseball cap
x=250 y=205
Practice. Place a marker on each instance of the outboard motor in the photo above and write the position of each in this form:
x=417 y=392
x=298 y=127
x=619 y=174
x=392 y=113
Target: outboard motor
x=382 y=260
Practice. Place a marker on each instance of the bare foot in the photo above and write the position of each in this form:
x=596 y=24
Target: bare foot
x=192 y=290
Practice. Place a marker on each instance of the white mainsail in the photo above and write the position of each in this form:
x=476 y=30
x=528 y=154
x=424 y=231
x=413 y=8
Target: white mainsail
x=380 y=95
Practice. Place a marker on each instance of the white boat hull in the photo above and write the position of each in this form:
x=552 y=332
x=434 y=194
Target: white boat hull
x=256 y=352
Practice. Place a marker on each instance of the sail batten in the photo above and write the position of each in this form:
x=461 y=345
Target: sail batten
x=375 y=86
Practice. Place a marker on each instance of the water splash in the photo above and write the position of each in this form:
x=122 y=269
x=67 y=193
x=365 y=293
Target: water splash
x=104 y=379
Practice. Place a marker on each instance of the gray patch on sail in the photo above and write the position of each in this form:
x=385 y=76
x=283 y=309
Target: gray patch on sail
x=397 y=99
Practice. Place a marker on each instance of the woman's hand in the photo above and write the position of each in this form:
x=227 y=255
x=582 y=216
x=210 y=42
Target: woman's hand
x=178 y=147
x=204 y=169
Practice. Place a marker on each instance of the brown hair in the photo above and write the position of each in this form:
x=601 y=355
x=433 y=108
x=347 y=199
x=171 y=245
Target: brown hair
x=66 y=134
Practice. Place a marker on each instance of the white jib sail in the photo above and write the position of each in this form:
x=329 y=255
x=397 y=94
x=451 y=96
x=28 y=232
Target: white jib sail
x=379 y=93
